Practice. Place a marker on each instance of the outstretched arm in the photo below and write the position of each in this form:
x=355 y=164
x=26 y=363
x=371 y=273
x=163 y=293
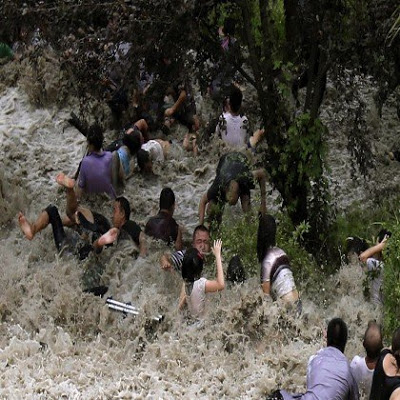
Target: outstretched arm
x=219 y=283
x=261 y=176
x=373 y=250
x=202 y=208
x=172 y=110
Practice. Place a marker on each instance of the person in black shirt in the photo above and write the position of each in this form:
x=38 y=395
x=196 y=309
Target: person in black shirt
x=234 y=179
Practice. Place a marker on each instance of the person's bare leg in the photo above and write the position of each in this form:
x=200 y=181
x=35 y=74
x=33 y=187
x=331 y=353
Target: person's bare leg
x=30 y=230
x=245 y=201
x=72 y=200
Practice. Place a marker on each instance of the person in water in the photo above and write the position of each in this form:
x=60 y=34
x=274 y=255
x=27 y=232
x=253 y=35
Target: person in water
x=95 y=175
x=276 y=276
x=234 y=180
x=195 y=287
x=200 y=241
x=163 y=225
x=124 y=229
x=363 y=368
x=373 y=258
x=386 y=379
x=328 y=373
x=75 y=241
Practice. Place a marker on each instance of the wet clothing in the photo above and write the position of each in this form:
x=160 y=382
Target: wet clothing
x=275 y=268
x=328 y=377
x=67 y=240
x=130 y=230
x=362 y=374
x=95 y=174
x=124 y=157
x=375 y=269
x=231 y=166
x=196 y=301
x=234 y=130
x=155 y=150
x=162 y=226
x=177 y=259
x=382 y=385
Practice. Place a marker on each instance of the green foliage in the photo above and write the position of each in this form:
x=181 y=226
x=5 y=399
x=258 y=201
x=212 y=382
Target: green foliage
x=391 y=281
x=239 y=236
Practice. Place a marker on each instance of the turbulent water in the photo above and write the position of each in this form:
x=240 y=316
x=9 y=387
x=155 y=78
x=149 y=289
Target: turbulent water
x=58 y=342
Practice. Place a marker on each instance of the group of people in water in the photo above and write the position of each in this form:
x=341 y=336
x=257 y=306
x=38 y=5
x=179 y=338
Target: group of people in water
x=106 y=169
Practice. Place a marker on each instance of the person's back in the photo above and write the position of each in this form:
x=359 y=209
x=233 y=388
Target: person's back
x=95 y=171
x=234 y=130
x=163 y=226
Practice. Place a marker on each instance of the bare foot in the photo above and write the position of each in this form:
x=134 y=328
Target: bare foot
x=25 y=226
x=63 y=180
x=109 y=237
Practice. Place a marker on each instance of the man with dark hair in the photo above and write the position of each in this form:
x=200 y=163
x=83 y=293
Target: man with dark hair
x=95 y=174
x=200 y=241
x=123 y=228
x=363 y=368
x=234 y=179
x=328 y=372
x=163 y=226
x=233 y=127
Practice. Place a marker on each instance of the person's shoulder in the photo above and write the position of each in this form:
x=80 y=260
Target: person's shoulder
x=357 y=362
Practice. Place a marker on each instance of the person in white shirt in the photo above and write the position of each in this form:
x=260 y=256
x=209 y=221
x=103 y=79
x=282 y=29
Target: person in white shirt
x=233 y=127
x=363 y=368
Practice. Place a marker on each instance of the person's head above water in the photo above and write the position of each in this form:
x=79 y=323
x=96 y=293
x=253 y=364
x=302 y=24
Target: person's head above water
x=201 y=239
x=167 y=200
x=144 y=161
x=132 y=142
x=373 y=340
x=95 y=137
x=336 y=335
x=192 y=265
x=235 y=100
x=122 y=211
x=266 y=235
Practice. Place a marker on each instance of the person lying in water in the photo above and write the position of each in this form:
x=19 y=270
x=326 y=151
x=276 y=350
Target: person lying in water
x=195 y=287
x=74 y=241
x=276 y=276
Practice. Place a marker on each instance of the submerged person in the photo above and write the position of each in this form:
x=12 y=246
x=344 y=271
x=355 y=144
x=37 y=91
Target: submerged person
x=386 y=379
x=363 y=368
x=163 y=225
x=200 y=241
x=276 y=276
x=328 y=373
x=71 y=240
x=373 y=258
x=234 y=180
x=195 y=287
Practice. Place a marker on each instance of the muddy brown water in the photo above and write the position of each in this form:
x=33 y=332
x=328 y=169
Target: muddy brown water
x=58 y=342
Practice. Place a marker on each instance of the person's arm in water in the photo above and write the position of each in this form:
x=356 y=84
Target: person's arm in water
x=219 y=283
x=169 y=112
x=142 y=245
x=178 y=241
x=261 y=177
x=166 y=262
x=373 y=250
x=202 y=208
x=256 y=137
x=182 y=297
x=266 y=288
